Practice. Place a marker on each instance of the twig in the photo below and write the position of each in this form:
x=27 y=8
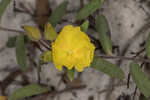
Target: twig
x=143 y=29
x=113 y=86
x=2 y=49
x=43 y=44
x=19 y=31
x=53 y=93
x=35 y=44
x=11 y=30
x=138 y=53
x=81 y=3
x=134 y=93
x=6 y=69
x=71 y=88
x=68 y=89
x=125 y=58
x=9 y=79
x=128 y=84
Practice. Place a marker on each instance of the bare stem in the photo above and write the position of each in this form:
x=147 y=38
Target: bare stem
x=125 y=58
x=44 y=45
x=11 y=30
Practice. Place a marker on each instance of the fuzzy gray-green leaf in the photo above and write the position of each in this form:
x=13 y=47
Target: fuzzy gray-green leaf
x=84 y=26
x=27 y=91
x=3 y=6
x=107 y=67
x=58 y=13
x=142 y=81
x=148 y=46
x=102 y=28
x=11 y=41
x=20 y=52
x=89 y=9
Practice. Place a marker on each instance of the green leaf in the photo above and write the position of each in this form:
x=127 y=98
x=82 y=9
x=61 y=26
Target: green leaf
x=102 y=28
x=3 y=6
x=26 y=39
x=58 y=13
x=20 y=52
x=148 y=46
x=70 y=74
x=144 y=98
x=46 y=56
x=107 y=67
x=27 y=91
x=49 y=32
x=11 y=42
x=89 y=9
x=85 y=26
x=142 y=81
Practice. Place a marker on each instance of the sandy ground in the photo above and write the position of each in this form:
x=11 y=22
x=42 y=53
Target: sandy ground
x=126 y=18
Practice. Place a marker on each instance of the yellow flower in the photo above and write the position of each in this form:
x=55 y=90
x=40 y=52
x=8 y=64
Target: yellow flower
x=3 y=98
x=72 y=48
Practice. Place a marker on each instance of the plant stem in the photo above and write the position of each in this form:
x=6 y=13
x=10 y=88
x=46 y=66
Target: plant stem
x=44 y=45
x=11 y=30
x=125 y=58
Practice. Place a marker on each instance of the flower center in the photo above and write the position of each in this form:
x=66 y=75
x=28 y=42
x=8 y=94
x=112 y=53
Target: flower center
x=70 y=52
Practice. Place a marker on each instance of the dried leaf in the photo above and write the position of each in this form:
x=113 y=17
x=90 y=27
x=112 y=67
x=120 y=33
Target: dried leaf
x=3 y=98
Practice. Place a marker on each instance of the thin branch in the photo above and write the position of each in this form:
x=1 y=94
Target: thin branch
x=125 y=58
x=37 y=46
x=128 y=84
x=9 y=79
x=134 y=93
x=138 y=53
x=143 y=29
x=11 y=30
x=114 y=86
x=71 y=88
x=81 y=3
x=53 y=93
x=44 y=45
